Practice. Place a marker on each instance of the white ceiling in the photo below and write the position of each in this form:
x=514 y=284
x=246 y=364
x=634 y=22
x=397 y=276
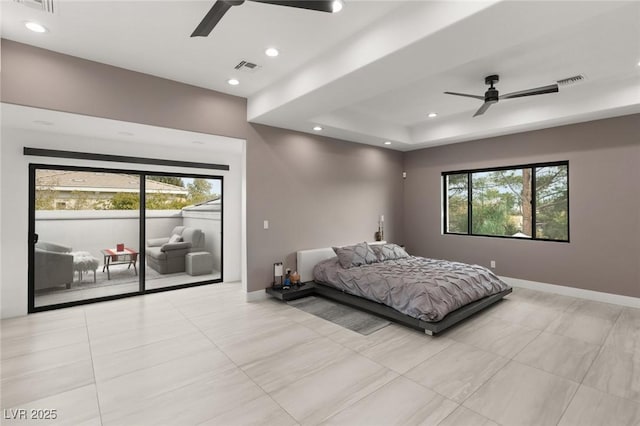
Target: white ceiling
x=372 y=72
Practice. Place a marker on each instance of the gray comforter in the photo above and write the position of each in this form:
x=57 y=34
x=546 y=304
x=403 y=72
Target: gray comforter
x=427 y=289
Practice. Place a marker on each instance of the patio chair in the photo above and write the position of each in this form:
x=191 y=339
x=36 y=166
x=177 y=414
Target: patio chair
x=167 y=255
x=53 y=265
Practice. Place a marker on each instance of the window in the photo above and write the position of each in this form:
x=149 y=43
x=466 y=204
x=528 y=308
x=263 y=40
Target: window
x=530 y=201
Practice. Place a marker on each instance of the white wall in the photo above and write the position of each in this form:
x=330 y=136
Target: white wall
x=14 y=183
x=86 y=231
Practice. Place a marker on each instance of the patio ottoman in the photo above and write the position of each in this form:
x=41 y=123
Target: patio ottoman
x=199 y=263
x=83 y=261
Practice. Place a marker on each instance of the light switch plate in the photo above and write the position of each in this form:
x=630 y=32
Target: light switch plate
x=266 y=224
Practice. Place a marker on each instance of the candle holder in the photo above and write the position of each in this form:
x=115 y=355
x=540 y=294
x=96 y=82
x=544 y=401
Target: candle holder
x=277 y=274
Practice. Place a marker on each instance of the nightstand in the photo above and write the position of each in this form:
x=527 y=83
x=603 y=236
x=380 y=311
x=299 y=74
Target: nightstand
x=294 y=292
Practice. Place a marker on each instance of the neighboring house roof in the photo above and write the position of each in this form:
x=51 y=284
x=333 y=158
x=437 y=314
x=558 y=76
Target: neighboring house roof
x=63 y=180
x=209 y=206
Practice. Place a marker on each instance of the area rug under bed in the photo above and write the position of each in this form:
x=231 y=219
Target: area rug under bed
x=345 y=316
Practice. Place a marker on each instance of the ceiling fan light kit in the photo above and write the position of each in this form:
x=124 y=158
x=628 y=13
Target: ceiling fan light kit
x=492 y=96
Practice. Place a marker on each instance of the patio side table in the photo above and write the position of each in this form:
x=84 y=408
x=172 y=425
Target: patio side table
x=112 y=257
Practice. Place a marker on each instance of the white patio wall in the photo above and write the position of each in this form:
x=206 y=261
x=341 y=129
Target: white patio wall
x=93 y=231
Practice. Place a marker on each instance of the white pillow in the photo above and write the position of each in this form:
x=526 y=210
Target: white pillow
x=175 y=238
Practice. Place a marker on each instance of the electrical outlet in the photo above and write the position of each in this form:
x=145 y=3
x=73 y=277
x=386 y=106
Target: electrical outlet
x=493 y=263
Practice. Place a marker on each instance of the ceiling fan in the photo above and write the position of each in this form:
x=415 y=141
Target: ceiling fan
x=491 y=96
x=220 y=7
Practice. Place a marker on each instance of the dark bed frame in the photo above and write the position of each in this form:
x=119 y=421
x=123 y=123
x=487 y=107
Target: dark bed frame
x=429 y=328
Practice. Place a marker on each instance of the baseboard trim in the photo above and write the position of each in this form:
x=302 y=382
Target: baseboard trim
x=616 y=299
x=256 y=296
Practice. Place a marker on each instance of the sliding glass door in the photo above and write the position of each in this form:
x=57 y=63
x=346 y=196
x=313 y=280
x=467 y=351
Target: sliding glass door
x=99 y=234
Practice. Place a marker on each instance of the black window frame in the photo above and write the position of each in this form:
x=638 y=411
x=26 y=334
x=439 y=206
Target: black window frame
x=470 y=172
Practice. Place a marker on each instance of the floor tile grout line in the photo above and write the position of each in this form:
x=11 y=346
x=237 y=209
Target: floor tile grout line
x=411 y=368
x=93 y=368
x=526 y=365
x=196 y=331
x=238 y=367
x=190 y=382
x=568 y=404
x=320 y=336
x=431 y=389
x=365 y=396
x=148 y=365
x=40 y=350
x=635 y=402
x=473 y=411
x=450 y=414
x=527 y=345
x=494 y=353
x=557 y=375
x=602 y=347
x=485 y=382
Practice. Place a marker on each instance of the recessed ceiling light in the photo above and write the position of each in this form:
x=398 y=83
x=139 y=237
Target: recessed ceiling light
x=35 y=27
x=317 y=128
x=336 y=6
x=233 y=81
x=197 y=142
x=272 y=52
x=432 y=114
x=387 y=143
x=125 y=133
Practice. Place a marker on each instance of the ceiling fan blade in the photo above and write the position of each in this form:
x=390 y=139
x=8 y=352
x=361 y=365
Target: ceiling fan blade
x=318 y=5
x=211 y=19
x=485 y=106
x=553 y=88
x=465 y=94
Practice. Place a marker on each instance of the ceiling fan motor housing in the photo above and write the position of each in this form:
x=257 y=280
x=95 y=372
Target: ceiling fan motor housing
x=491 y=95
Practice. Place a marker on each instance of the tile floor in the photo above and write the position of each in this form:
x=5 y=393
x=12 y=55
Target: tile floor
x=205 y=356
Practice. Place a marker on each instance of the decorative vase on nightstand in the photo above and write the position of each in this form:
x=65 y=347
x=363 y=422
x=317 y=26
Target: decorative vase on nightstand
x=379 y=235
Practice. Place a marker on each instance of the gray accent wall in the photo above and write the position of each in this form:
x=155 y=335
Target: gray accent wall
x=604 y=184
x=316 y=192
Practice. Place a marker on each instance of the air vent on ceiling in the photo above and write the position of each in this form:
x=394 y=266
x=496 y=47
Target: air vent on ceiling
x=43 y=5
x=571 y=80
x=247 y=66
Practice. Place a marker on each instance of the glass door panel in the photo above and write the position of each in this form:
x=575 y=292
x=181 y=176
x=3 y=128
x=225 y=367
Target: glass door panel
x=87 y=228
x=183 y=230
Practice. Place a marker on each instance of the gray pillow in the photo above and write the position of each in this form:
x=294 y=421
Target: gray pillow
x=389 y=252
x=357 y=255
x=175 y=238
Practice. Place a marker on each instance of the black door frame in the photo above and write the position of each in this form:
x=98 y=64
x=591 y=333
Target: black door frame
x=142 y=227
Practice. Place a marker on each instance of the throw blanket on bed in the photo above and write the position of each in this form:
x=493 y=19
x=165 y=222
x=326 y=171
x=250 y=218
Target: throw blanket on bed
x=427 y=289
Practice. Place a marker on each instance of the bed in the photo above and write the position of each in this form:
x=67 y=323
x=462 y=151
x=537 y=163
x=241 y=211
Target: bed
x=428 y=294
